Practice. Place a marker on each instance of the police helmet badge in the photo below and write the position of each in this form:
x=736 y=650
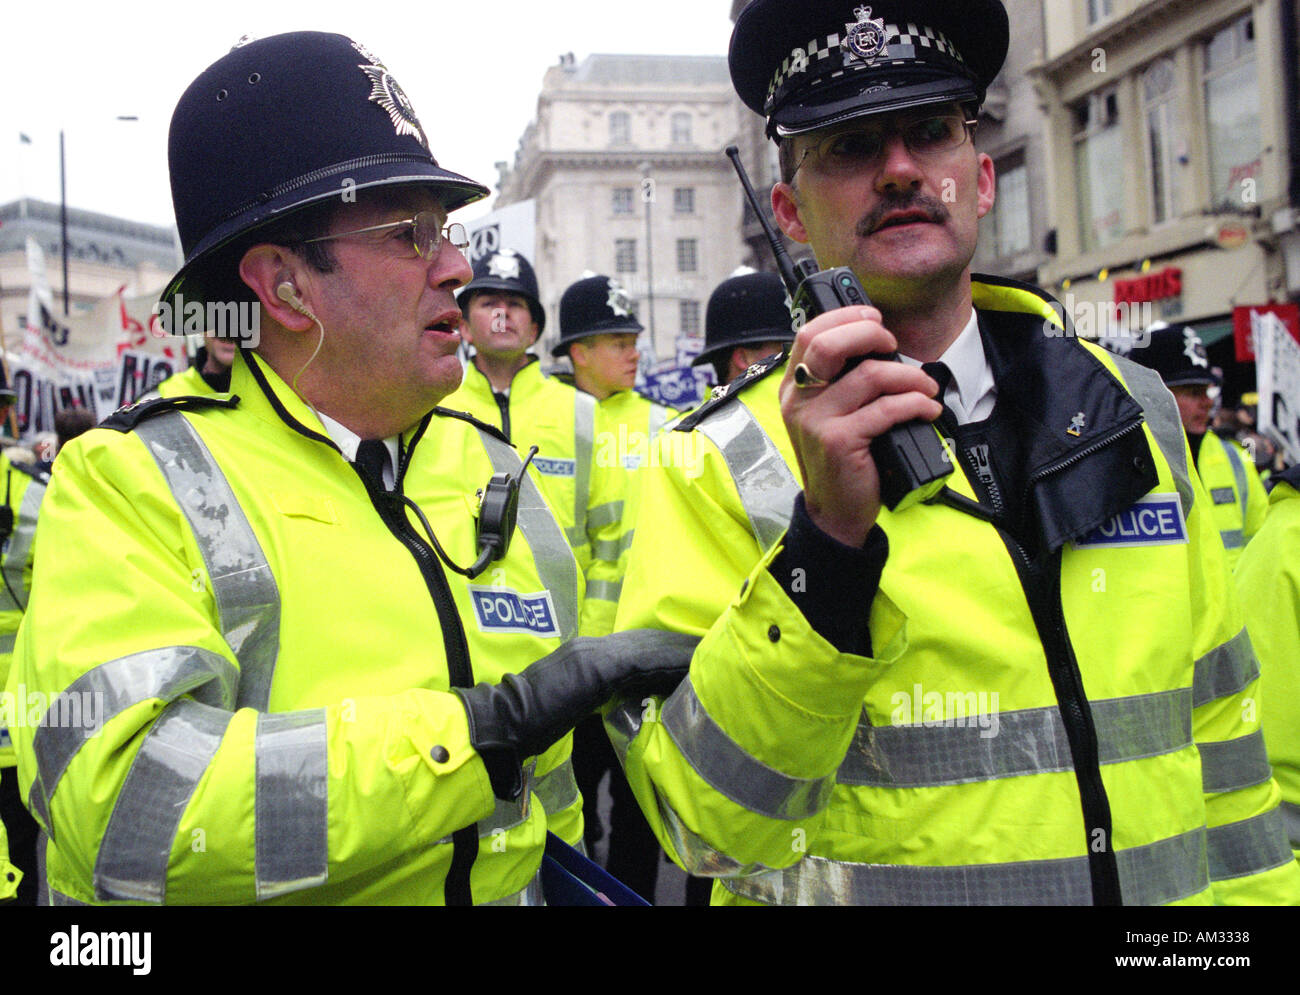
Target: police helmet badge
x=618 y=300
x=866 y=38
x=1193 y=349
x=385 y=91
x=505 y=265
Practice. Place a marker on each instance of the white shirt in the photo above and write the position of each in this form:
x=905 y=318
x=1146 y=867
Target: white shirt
x=971 y=392
x=348 y=441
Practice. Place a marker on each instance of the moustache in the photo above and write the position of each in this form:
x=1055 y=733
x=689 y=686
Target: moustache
x=932 y=207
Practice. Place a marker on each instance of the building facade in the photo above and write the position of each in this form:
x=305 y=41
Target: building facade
x=625 y=164
x=104 y=253
x=1169 y=149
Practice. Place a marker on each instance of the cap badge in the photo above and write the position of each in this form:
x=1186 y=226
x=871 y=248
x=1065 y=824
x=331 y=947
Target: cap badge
x=1076 y=425
x=385 y=91
x=1193 y=349
x=504 y=265
x=618 y=301
x=866 y=39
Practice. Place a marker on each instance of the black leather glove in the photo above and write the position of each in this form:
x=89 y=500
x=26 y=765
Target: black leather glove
x=526 y=713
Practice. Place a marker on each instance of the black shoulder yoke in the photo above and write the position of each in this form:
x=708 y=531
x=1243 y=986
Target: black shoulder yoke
x=724 y=395
x=38 y=474
x=127 y=417
x=482 y=426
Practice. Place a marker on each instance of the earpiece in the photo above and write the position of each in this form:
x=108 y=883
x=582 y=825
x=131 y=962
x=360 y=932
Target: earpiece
x=288 y=293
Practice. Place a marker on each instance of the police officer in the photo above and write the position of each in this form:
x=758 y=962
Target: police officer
x=866 y=718
x=1229 y=475
x=747 y=320
x=598 y=333
x=297 y=690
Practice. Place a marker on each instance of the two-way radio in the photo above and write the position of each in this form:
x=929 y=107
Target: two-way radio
x=910 y=458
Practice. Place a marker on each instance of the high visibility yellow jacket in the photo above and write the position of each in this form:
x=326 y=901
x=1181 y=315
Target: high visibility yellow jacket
x=561 y=421
x=627 y=427
x=186 y=383
x=24 y=489
x=1239 y=499
x=247 y=662
x=1060 y=729
x=1268 y=580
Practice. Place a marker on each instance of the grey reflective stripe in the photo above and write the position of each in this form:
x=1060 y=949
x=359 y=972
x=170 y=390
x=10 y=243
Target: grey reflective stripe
x=58 y=898
x=1290 y=815
x=115 y=686
x=1225 y=670
x=604 y=590
x=623 y=724
x=1161 y=413
x=137 y=843
x=558 y=789
x=764 y=482
x=20 y=544
x=1223 y=495
x=7 y=641
x=530 y=895
x=1012 y=744
x=248 y=601
x=605 y=514
x=1234 y=763
x=1239 y=474
x=292 y=803
x=731 y=771
x=609 y=550
x=584 y=432
x=1248 y=847
x=1233 y=538
x=556 y=566
x=1159 y=872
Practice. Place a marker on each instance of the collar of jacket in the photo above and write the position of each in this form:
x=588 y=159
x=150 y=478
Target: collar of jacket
x=532 y=367
x=269 y=398
x=1046 y=380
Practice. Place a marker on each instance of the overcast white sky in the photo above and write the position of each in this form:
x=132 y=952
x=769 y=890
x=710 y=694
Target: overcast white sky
x=471 y=69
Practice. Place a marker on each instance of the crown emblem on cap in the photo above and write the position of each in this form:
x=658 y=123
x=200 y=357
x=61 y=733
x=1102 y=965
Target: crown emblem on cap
x=505 y=265
x=618 y=300
x=1193 y=349
x=866 y=39
x=385 y=91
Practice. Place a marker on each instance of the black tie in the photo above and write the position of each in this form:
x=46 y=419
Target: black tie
x=941 y=375
x=372 y=457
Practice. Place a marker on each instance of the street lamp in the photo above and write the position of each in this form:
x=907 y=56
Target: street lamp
x=63 y=207
x=648 y=197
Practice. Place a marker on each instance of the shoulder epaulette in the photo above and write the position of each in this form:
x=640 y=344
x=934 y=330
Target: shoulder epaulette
x=38 y=474
x=724 y=395
x=1291 y=475
x=127 y=417
x=482 y=426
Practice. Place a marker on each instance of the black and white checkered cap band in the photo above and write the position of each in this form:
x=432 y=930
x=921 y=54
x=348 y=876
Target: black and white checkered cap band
x=904 y=45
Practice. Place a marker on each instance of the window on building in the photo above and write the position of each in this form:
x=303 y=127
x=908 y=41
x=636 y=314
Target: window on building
x=687 y=261
x=684 y=200
x=1232 y=112
x=1098 y=154
x=1011 y=207
x=623 y=203
x=1099 y=10
x=620 y=128
x=681 y=128
x=625 y=255
x=1164 y=140
x=690 y=312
